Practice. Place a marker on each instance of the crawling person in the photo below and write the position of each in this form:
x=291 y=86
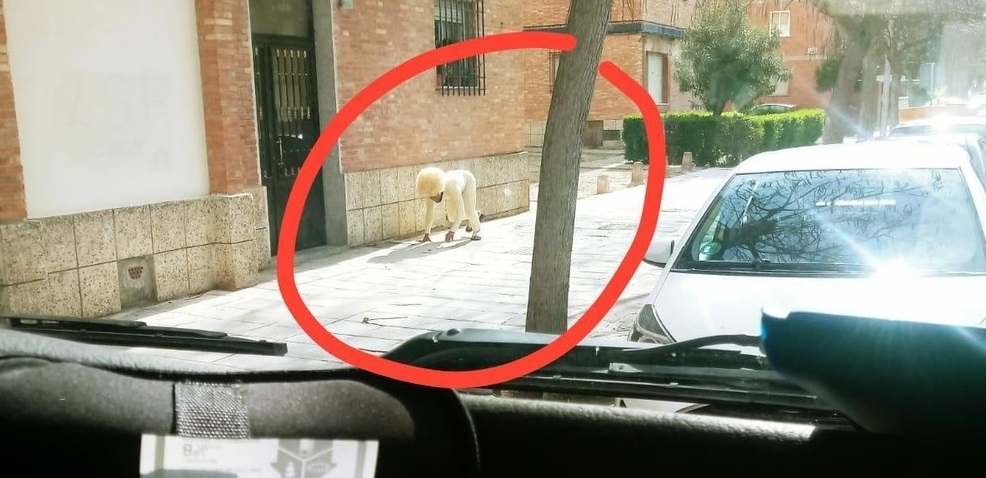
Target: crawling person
x=458 y=189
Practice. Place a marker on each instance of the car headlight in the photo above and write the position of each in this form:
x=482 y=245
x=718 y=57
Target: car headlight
x=648 y=328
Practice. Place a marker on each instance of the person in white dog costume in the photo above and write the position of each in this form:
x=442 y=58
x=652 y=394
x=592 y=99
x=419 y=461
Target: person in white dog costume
x=458 y=189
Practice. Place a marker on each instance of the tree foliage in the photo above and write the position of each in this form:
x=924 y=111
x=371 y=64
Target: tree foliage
x=828 y=72
x=726 y=60
x=907 y=33
x=963 y=46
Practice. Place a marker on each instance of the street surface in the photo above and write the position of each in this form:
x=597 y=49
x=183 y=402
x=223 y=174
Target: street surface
x=375 y=297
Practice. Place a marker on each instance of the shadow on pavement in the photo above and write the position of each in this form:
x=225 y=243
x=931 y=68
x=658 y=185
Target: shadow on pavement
x=414 y=251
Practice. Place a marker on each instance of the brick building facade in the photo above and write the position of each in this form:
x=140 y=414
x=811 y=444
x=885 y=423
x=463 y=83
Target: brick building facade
x=806 y=40
x=151 y=159
x=12 y=202
x=641 y=39
x=102 y=207
x=422 y=123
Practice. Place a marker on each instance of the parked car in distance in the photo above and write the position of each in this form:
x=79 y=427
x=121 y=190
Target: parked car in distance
x=974 y=145
x=941 y=125
x=977 y=103
x=771 y=108
x=890 y=229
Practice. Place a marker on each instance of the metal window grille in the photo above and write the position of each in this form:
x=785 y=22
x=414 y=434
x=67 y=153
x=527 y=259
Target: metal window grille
x=455 y=21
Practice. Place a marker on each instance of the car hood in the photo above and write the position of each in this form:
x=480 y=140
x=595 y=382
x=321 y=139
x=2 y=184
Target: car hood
x=692 y=305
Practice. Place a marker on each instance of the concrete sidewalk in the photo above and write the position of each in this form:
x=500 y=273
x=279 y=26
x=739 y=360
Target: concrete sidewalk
x=375 y=297
x=594 y=163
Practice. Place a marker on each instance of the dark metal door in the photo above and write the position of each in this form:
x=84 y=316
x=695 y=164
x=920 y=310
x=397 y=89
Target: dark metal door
x=288 y=125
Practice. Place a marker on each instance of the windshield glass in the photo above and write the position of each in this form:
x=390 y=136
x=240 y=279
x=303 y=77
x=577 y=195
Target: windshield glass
x=841 y=220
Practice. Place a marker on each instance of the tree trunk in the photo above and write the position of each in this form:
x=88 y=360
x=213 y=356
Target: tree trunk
x=717 y=110
x=893 y=116
x=859 y=35
x=547 y=307
x=868 y=110
x=718 y=105
x=885 y=96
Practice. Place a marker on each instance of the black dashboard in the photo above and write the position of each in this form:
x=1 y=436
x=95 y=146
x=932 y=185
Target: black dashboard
x=71 y=409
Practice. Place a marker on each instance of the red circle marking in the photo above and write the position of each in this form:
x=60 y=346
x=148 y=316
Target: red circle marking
x=377 y=89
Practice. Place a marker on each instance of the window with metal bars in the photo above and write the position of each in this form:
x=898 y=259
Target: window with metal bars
x=455 y=21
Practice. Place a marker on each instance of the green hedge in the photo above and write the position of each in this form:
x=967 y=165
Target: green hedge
x=727 y=140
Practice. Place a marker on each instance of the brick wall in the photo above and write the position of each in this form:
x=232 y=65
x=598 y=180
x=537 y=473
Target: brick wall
x=12 y=201
x=609 y=106
x=668 y=12
x=93 y=263
x=625 y=50
x=809 y=28
x=555 y=12
x=414 y=123
x=227 y=90
x=801 y=88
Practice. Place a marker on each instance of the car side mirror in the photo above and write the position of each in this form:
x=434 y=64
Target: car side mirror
x=659 y=252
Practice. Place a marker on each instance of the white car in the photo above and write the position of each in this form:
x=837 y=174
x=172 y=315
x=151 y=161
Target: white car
x=882 y=229
x=887 y=229
x=941 y=125
x=974 y=145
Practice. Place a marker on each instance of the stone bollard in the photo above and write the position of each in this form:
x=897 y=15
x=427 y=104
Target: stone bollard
x=686 y=162
x=636 y=174
x=602 y=184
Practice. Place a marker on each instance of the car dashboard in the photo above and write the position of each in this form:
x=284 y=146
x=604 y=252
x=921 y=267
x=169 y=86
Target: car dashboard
x=72 y=409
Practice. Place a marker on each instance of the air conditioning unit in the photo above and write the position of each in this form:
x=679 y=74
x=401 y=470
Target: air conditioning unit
x=812 y=50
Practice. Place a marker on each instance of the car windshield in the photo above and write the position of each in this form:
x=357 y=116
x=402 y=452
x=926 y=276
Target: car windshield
x=842 y=220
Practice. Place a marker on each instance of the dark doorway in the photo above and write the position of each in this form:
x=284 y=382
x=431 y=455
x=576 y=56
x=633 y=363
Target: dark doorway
x=288 y=125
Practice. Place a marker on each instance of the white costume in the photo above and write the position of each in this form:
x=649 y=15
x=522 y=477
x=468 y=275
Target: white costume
x=459 y=194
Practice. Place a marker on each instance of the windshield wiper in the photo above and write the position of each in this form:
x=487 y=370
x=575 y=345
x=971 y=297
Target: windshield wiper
x=682 y=371
x=138 y=334
x=766 y=265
